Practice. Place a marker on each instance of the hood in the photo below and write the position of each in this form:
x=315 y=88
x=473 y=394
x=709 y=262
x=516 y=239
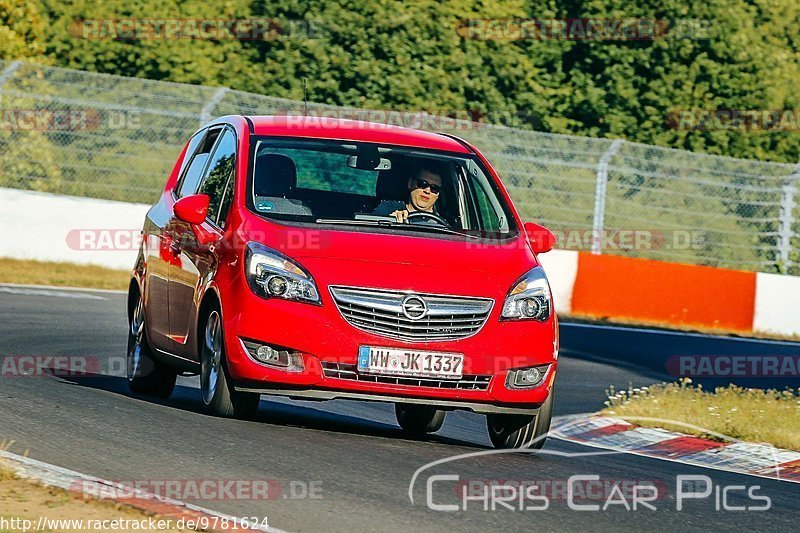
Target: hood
x=409 y=262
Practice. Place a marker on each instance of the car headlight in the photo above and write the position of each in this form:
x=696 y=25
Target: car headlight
x=529 y=298
x=270 y=274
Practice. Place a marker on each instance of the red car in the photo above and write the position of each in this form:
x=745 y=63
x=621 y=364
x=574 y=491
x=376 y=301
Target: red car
x=319 y=259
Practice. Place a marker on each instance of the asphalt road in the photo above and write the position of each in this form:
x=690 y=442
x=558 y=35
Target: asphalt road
x=340 y=466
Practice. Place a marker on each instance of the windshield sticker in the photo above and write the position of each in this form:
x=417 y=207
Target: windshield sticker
x=265 y=206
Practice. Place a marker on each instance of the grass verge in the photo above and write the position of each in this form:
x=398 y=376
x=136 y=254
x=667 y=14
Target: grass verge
x=62 y=274
x=752 y=415
x=25 y=500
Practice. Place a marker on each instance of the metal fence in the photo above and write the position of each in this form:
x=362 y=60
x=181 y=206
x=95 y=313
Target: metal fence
x=96 y=135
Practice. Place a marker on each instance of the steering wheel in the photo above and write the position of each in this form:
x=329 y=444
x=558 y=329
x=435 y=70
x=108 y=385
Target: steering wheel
x=422 y=216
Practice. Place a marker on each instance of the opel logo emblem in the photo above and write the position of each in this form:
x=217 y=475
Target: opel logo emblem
x=414 y=307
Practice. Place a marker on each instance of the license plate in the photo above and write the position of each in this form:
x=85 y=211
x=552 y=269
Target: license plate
x=398 y=362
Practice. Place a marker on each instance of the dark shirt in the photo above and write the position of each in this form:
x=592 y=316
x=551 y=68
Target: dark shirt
x=387 y=207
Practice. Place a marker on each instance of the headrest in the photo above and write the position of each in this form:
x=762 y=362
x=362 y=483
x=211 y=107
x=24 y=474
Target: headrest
x=275 y=175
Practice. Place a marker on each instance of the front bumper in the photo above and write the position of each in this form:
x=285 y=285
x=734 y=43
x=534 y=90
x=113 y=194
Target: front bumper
x=329 y=349
x=324 y=394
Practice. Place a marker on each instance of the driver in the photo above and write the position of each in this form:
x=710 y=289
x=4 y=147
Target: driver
x=423 y=191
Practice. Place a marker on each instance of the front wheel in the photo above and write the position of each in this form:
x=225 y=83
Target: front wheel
x=417 y=419
x=145 y=374
x=216 y=386
x=521 y=431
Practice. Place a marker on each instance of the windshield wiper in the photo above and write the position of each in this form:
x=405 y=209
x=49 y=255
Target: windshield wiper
x=426 y=227
x=343 y=222
x=393 y=224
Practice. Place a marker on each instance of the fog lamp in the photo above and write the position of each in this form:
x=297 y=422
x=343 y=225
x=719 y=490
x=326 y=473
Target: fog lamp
x=274 y=357
x=526 y=378
x=266 y=354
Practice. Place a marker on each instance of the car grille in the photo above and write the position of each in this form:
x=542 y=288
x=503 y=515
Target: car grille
x=347 y=371
x=382 y=313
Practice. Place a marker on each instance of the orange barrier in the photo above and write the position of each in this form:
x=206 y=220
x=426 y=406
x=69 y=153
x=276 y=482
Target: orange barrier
x=655 y=291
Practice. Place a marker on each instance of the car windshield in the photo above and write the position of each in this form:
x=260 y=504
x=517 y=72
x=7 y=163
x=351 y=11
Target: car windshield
x=366 y=184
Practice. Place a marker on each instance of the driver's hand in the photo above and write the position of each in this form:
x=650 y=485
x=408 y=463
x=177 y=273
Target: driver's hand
x=401 y=215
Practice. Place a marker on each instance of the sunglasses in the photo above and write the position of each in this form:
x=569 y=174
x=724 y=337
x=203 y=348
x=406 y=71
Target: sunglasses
x=422 y=184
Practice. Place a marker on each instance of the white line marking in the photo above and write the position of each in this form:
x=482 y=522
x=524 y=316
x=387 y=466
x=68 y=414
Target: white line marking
x=48 y=292
x=63 y=288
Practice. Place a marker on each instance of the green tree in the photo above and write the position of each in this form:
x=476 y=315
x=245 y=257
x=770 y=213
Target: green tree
x=197 y=61
x=21 y=30
x=411 y=56
x=22 y=36
x=749 y=60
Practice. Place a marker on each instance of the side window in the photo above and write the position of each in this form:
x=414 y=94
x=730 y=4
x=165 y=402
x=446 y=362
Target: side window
x=489 y=212
x=202 y=144
x=194 y=144
x=227 y=200
x=219 y=170
x=488 y=215
x=193 y=174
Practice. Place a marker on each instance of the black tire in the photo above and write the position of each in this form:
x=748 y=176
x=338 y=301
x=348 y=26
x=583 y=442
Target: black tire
x=521 y=431
x=216 y=386
x=146 y=375
x=418 y=419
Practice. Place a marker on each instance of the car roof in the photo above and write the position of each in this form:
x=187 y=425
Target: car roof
x=316 y=127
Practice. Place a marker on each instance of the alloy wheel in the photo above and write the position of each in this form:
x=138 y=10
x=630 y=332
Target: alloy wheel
x=211 y=360
x=135 y=341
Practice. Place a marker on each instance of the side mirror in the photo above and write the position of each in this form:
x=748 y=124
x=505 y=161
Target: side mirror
x=542 y=239
x=192 y=209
